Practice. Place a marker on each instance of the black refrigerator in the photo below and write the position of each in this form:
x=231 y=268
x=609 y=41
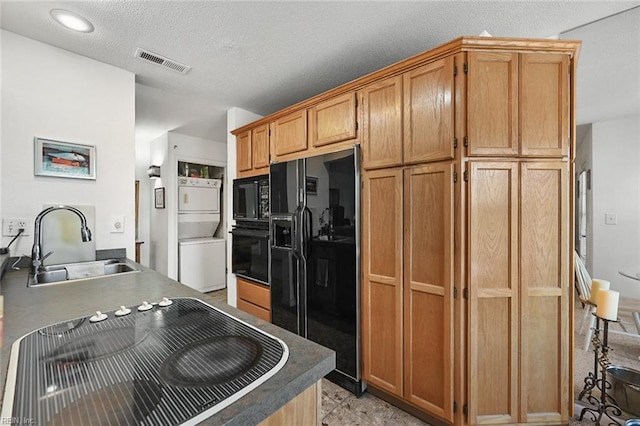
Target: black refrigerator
x=315 y=256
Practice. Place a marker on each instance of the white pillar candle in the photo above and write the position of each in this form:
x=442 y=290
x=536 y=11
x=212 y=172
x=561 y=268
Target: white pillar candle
x=608 y=304
x=596 y=286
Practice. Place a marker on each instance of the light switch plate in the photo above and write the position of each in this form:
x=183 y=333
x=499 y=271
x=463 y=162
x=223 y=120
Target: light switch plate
x=116 y=224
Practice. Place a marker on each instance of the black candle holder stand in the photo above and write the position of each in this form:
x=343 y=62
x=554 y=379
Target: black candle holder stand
x=603 y=405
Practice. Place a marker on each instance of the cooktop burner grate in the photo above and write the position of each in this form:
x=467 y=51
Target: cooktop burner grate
x=146 y=368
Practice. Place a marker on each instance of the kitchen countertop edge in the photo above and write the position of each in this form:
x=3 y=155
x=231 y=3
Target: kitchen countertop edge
x=308 y=362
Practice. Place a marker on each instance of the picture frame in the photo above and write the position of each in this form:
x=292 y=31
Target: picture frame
x=159 y=198
x=312 y=185
x=54 y=158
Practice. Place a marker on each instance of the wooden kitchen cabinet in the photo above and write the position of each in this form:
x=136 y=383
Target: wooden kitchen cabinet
x=252 y=151
x=518 y=104
x=428 y=288
x=260 y=146
x=382 y=123
x=382 y=279
x=244 y=151
x=493 y=302
x=429 y=112
x=334 y=120
x=408 y=284
x=518 y=291
x=254 y=299
x=290 y=133
x=409 y=119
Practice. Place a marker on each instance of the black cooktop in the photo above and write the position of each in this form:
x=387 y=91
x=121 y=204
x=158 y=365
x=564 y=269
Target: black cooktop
x=176 y=364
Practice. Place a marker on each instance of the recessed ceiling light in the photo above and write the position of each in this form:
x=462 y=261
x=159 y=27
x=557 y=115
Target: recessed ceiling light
x=72 y=20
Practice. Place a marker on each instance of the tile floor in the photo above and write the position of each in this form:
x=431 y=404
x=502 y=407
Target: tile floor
x=340 y=408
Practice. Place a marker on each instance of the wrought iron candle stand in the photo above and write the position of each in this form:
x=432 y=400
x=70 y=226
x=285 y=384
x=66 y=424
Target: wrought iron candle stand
x=604 y=405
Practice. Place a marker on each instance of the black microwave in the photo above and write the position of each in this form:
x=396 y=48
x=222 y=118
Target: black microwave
x=251 y=198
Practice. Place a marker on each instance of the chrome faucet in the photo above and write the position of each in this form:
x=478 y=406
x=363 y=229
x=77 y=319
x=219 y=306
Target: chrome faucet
x=36 y=251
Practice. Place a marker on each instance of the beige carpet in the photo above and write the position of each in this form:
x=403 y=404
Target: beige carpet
x=624 y=351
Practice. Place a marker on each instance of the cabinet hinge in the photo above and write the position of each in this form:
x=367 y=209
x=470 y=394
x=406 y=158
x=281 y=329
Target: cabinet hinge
x=455 y=177
x=455 y=142
x=465 y=293
x=356 y=125
x=466 y=141
x=465 y=410
x=455 y=406
x=455 y=70
x=455 y=296
x=356 y=102
x=269 y=132
x=465 y=176
x=466 y=67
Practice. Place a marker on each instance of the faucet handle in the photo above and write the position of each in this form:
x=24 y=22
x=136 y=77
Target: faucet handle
x=46 y=255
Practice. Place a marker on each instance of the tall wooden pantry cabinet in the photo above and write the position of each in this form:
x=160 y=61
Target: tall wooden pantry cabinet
x=466 y=268
x=466 y=223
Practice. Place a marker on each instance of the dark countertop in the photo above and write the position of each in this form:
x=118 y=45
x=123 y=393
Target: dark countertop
x=27 y=309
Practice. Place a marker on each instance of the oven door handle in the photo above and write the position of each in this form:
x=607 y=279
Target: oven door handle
x=250 y=233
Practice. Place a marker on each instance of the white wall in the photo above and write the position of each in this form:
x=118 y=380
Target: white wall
x=51 y=93
x=236 y=117
x=166 y=151
x=615 y=185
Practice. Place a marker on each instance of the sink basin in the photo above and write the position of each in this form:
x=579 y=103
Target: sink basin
x=77 y=271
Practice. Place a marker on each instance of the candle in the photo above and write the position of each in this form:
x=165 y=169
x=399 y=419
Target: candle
x=596 y=286
x=608 y=304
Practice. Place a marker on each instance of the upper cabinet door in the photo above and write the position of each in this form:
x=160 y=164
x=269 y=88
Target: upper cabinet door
x=243 y=151
x=544 y=105
x=492 y=103
x=382 y=124
x=333 y=120
x=429 y=112
x=290 y=133
x=260 y=142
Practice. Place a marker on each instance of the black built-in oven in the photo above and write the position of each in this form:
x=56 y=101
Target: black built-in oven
x=250 y=251
x=251 y=198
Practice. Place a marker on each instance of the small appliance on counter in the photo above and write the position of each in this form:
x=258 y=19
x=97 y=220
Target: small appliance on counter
x=176 y=362
x=201 y=256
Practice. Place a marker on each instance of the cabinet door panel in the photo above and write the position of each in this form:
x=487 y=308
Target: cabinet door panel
x=428 y=288
x=333 y=120
x=544 y=105
x=492 y=103
x=382 y=124
x=260 y=142
x=429 y=112
x=243 y=151
x=493 y=286
x=382 y=279
x=544 y=292
x=290 y=133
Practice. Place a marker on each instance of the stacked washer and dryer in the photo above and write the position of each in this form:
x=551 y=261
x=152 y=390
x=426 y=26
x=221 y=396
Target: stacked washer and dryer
x=201 y=256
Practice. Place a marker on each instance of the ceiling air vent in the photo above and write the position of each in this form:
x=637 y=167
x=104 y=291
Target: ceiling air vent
x=162 y=61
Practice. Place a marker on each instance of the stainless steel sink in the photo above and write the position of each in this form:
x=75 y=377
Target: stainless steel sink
x=78 y=271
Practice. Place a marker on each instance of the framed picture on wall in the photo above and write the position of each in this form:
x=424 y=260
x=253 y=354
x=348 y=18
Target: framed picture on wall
x=159 y=192
x=312 y=185
x=64 y=159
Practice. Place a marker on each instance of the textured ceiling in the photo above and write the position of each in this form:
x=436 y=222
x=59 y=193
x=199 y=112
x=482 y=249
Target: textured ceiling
x=263 y=56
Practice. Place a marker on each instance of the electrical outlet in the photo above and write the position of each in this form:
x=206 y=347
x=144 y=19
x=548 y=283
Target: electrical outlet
x=10 y=227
